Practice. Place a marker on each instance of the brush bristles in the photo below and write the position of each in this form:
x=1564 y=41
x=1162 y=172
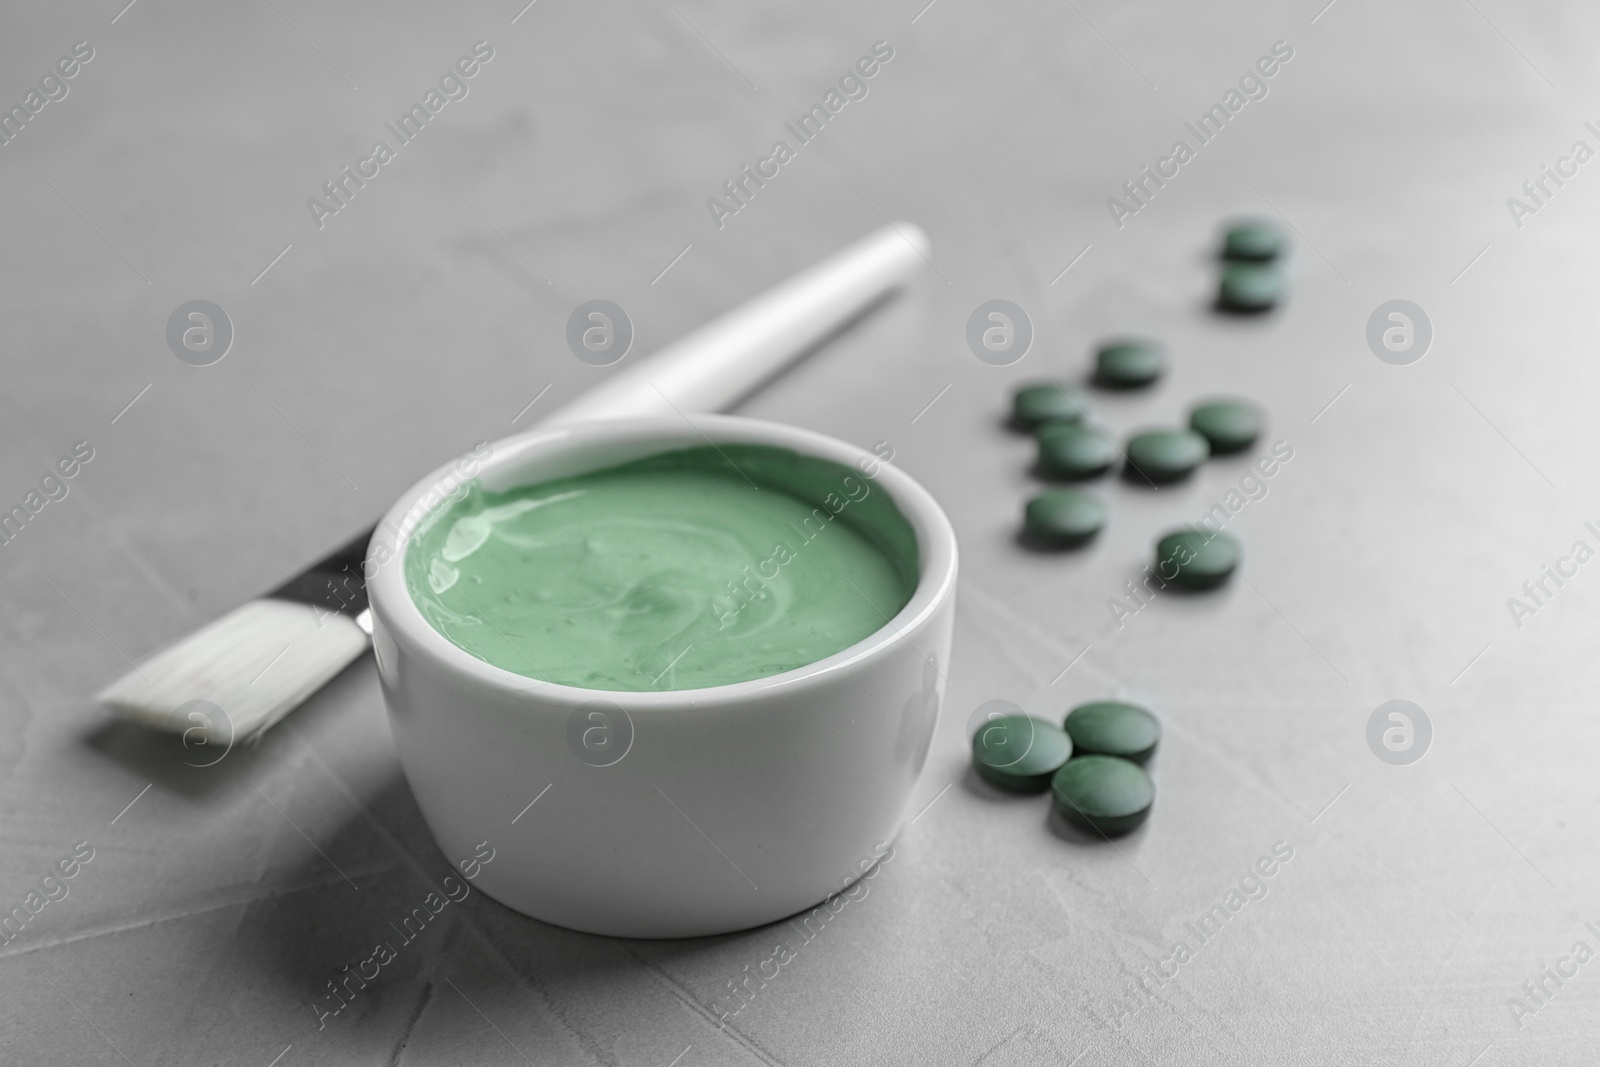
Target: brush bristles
x=255 y=665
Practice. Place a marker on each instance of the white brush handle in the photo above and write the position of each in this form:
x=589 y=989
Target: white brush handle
x=721 y=362
x=241 y=673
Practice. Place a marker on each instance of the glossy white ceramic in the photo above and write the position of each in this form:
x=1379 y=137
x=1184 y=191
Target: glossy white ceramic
x=664 y=814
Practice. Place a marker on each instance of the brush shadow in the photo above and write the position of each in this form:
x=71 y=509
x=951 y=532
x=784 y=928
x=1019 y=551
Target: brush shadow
x=184 y=765
x=195 y=772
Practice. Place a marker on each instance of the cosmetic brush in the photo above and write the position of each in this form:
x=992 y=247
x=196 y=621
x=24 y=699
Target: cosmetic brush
x=236 y=676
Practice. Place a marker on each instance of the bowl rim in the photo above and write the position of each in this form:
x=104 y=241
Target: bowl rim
x=397 y=615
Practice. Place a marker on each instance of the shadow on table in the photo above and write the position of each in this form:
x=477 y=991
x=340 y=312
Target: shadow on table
x=979 y=789
x=344 y=911
x=187 y=766
x=1077 y=835
x=194 y=772
x=377 y=954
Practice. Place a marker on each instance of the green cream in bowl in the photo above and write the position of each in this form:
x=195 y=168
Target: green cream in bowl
x=689 y=568
x=681 y=674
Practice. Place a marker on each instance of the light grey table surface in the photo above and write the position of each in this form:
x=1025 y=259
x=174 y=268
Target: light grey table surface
x=429 y=311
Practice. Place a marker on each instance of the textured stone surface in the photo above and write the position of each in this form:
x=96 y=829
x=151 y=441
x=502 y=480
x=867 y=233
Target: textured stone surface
x=431 y=310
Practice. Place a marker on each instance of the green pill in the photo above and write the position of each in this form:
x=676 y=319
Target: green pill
x=1229 y=425
x=1073 y=450
x=1019 y=753
x=1197 y=559
x=1128 y=364
x=1167 y=455
x=1044 y=402
x=1105 y=794
x=1113 y=728
x=1250 y=287
x=1064 y=518
x=1253 y=239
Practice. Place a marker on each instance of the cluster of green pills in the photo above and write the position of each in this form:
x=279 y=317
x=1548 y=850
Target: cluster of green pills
x=1092 y=764
x=1252 y=276
x=1216 y=427
x=1072 y=449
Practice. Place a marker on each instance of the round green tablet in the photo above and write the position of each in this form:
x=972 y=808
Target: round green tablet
x=1019 y=753
x=1043 y=402
x=1113 y=728
x=1103 y=793
x=1073 y=450
x=1128 y=364
x=1167 y=455
x=1197 y=559
x=1253 y=239
x=1250 y=286
x=1230 y=425
x=1064 y=518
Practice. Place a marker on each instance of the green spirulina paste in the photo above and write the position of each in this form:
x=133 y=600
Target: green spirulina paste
x=696 y=567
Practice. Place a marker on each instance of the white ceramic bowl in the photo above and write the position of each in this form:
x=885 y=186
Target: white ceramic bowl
x=672 y=814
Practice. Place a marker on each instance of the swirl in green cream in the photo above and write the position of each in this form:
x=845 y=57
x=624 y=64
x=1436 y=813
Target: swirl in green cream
x=691 y=568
